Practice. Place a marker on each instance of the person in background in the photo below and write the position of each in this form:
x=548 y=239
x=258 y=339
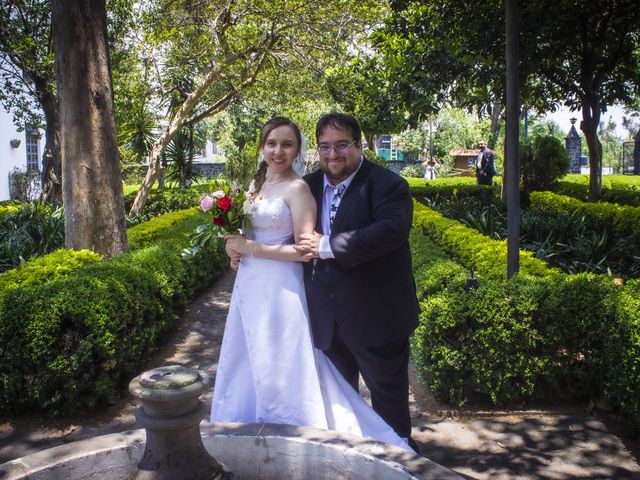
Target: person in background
x=485 y=165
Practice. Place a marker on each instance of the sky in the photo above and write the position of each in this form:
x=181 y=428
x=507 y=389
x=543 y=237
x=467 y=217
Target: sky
x=562 y=117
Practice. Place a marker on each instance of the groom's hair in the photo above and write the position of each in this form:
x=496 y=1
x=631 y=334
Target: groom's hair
x=339 y=121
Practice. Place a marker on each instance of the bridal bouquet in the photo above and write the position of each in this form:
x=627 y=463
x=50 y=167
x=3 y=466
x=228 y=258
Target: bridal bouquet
x=230 y=209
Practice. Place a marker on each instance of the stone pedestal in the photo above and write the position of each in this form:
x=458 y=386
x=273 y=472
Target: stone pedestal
x=573 y=144
x=171 y=413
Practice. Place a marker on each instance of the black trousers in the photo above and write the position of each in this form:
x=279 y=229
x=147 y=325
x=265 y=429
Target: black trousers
x=484 y=179
x=385 y=371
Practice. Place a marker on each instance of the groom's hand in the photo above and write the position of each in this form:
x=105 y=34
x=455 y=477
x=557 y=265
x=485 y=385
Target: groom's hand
x=309 y=243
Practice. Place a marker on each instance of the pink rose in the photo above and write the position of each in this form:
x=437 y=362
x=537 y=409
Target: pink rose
x=206 y=203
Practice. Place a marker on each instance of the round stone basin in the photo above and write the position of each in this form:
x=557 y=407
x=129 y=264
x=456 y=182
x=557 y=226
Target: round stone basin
x=250 y=451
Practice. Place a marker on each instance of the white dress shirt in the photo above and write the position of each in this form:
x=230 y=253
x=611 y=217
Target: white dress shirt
x=324 y=248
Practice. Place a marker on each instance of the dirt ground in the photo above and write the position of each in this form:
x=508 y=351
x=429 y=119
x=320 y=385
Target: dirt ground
x=544 y=443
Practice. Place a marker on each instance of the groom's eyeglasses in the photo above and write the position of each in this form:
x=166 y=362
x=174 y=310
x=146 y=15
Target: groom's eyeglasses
x=340 y=148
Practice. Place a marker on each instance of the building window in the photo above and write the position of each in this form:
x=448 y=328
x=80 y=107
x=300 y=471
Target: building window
x=33 y=149
x=214 y=147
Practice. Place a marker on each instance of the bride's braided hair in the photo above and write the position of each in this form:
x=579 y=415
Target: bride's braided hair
x=261 y=174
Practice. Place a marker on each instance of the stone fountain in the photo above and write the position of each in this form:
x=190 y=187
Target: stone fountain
x=176 y=447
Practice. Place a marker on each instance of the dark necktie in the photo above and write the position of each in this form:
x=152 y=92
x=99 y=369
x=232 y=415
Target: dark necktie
x=337 y=193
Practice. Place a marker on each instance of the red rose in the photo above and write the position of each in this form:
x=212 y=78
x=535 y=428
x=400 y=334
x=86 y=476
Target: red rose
x=219 y=221
x=225 y=203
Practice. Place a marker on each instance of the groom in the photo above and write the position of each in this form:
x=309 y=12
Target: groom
x=360 y=288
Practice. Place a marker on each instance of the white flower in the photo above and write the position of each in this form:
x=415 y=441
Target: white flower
x=247 y=207
x=218 y=194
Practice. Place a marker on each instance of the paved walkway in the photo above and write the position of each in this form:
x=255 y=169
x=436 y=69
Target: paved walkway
x=529 y=444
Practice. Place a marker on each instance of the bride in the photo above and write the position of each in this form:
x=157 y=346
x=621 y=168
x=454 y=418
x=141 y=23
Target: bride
x=269 y=371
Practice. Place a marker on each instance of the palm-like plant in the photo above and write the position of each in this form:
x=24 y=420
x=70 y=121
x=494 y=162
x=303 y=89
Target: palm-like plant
x=34 y=230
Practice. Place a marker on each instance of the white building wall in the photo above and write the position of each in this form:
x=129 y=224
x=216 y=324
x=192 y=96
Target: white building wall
x=10 y=157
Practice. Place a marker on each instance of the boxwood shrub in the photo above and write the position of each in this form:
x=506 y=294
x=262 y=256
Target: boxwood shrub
x=509 y=342
x=620 y=189
x=73 y=342
x=450 y=187
x=541 y=335
x=622 y=355
x=621 y=220
x=471 y=248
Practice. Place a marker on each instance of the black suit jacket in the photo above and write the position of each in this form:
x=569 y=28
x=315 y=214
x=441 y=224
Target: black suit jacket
x=368 y=289
x=487 y=164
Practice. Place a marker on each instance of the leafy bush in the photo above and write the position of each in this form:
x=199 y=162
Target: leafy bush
x=413 y=171
x=543 y=162
x=163 y=201
x=74 y=341
x=42 y=269
x=620 y=189
x=31 y=230
x=622 y=356
x=510 y=342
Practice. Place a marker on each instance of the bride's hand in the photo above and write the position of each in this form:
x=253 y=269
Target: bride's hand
x=236 y=246
x=307 y=257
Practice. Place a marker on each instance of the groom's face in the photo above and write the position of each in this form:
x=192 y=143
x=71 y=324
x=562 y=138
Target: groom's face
x=343 y=155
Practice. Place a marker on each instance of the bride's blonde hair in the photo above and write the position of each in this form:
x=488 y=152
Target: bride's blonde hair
x=267 y=128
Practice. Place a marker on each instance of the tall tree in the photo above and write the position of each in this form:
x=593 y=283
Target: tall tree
x=361 y=89
x=229 y=45
x=592 y=65
x=582 y=54
x=91 y=181
x=28 y=80
x=27 y=75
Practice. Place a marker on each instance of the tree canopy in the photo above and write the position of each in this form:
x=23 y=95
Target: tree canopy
x=581 y=54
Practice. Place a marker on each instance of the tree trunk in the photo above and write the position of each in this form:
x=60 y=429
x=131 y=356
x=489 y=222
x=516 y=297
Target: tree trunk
x=589 y=126
x=183 y=117
x=91 y=177
x=496 y=113
x=51 y=162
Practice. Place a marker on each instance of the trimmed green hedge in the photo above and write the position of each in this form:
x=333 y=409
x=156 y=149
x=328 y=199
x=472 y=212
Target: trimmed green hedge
x=471 y=248
x=623 y=220
x=540 y=335
x=73 y=342
x=620 y=189
x=450 y=187
x=557 y=337
x=42 y=269
x=622 y=354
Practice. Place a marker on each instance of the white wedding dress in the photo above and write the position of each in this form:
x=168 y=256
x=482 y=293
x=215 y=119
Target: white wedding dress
x=269 y=371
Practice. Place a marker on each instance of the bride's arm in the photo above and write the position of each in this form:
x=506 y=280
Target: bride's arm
x=303 y=212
